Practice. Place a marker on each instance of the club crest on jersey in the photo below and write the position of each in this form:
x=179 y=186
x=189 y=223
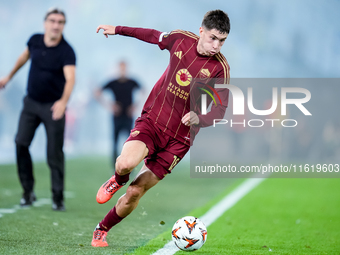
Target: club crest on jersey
x=204 y=74
x=183 y=77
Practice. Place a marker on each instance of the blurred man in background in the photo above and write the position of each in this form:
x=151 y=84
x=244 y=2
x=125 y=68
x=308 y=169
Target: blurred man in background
x=122 y=107
x=50 y=83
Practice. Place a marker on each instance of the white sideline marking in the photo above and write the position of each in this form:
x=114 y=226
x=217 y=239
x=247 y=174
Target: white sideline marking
x=38 y=203
x=216 y=211
x=5 y=210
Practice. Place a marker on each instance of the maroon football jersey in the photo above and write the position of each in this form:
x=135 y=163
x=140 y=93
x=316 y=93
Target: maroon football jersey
x=176 y=92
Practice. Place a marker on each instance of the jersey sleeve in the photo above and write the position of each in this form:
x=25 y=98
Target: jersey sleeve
x=167 y=40
x=69 y=57
x=33 y=39
x=143 y=34
x=136 y=85
x=29 y=42
x=164 y=40
x=108 y=85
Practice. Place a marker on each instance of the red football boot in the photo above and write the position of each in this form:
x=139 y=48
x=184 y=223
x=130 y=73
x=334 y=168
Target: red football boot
x=99 y=238
x=107 y=190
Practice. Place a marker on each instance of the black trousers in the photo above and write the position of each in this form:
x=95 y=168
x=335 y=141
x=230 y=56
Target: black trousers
x=121 y=124
x=32 y=115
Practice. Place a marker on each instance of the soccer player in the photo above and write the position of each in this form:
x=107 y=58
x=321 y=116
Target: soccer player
x=50 y=83
x=170 y=117
x=122 y=107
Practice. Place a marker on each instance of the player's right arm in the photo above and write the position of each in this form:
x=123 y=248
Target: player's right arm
x=20 y=62
x=164 y=40
x=144 y=34
x=108 y=30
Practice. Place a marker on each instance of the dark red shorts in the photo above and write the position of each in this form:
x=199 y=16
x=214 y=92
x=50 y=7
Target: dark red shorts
x=164 y=151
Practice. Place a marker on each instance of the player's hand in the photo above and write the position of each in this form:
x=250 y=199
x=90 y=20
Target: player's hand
x=4 y=81
x=130 y=110
x=108 y=30
x=190 y=119
x=97 y=94
x=58 y=109
x=116 y=109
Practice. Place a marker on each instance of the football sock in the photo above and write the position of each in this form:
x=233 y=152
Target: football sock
x=122 y=179
x=97 y=227
x=110 y=220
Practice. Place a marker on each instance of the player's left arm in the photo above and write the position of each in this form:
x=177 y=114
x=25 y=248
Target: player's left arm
x=217 y=111
x=192 y=118
x=59 y=107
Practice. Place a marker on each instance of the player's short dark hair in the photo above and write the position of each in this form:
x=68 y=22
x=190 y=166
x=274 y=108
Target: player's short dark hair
x=55 y=10
x=218 y=20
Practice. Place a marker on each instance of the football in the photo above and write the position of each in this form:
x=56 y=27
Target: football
x=189 y=233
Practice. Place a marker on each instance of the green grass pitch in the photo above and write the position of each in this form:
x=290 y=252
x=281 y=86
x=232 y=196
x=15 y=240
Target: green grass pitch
x=280 y=216
x=39 y=230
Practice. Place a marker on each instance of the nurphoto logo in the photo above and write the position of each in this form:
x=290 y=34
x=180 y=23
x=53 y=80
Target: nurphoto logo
x=239 y=105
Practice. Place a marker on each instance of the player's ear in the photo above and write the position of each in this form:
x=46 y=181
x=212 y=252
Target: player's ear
x=201 y=31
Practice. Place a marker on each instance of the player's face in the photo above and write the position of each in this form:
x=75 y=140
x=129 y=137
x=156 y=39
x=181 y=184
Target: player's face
x=122 y=69
x=210 y=42
x=54 y=25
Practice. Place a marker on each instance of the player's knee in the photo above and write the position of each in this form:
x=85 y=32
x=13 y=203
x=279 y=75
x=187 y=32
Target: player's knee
x=134 y=193
x=21 y=149
x=21 y=143
x=124 y=165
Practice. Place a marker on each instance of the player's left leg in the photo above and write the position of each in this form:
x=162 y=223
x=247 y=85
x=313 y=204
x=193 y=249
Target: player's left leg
x=145 y=180
x=55 y=157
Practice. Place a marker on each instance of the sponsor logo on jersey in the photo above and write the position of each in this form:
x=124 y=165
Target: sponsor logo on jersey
x=183 y=77
x=178 y=54
x=204 y=74
x=178 y=91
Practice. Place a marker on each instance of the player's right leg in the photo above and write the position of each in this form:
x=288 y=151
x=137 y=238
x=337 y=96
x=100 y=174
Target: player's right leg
x=133 y=153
